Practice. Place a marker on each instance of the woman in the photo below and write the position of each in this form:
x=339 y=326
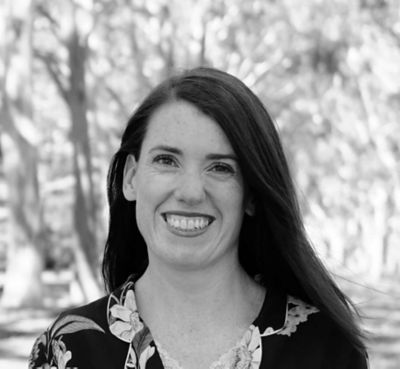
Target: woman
x=207 y=261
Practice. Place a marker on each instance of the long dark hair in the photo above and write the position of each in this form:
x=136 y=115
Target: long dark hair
x=273 y=243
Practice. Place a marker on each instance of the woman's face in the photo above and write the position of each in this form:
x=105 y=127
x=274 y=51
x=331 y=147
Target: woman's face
x=188 y=188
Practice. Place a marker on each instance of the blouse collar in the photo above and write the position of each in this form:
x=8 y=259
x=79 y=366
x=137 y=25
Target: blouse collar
x=124 y=320
x=280 y=314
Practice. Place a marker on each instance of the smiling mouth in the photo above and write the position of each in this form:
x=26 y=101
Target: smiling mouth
x=188 y=223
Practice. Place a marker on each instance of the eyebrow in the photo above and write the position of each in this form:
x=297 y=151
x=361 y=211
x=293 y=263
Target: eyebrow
x=211 y=156
x=171 y=149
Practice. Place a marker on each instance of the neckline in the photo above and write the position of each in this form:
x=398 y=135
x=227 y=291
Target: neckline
x=232 y=355
x=126 y=324
x=227 y=357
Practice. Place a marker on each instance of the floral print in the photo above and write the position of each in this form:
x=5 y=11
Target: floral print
x=246 y=354
x=112 y=334
x=297 y=313
x=145 y=355
x=61 y=354
x=125 y=318
x=250 y=357
x=52 y=346
x=125 y=323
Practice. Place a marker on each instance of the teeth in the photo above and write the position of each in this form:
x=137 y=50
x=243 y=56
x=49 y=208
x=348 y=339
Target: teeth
x=187 y=224
x=183 y=224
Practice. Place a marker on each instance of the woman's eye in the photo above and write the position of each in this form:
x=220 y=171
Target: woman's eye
x=164 y=160
x=223 y=168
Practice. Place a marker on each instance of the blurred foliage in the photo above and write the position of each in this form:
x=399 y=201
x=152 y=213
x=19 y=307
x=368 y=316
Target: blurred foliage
x=328 y=71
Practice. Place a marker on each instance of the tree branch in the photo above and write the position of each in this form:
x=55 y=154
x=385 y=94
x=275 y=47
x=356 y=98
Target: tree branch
x=54 y=72
x=54 y=25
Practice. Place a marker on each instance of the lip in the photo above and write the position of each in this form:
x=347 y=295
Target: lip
x=188 y=215
x=186 y=232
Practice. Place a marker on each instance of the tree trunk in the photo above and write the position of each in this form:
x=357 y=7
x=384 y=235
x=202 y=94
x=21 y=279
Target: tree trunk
x=72 y=89
x=23 y=286
x=85 y=208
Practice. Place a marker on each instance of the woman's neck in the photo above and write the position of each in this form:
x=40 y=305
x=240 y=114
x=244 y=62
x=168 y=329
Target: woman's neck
x=217 y=293
x=196 y=316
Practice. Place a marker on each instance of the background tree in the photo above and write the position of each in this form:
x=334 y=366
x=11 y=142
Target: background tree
x=66 y=66
x=332 y=89
x=19 y=138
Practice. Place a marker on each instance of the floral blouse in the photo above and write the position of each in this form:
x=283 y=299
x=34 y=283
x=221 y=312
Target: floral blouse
x=109 y=333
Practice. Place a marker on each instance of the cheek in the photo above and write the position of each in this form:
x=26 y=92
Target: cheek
x=151 y=193
x=231 y=200
x=149 y=187
x=141 y=217
x=144 y=204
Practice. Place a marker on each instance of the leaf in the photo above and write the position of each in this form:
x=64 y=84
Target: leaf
x=113 y=298
x=131 y=359
x=142 y=340
x=73 y=323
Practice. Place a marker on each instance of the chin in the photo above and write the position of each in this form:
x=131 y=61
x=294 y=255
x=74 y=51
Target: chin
x=183 y=258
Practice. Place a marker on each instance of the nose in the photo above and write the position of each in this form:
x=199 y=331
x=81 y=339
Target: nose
x=190 y=188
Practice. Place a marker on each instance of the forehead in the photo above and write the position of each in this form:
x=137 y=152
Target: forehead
x=183 y=125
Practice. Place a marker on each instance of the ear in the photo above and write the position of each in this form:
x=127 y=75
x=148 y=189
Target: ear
x=128 y=183
x=250 y=207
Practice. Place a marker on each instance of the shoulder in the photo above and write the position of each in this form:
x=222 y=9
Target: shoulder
x=93 y=311
x=77 y=337
x=86 y=318
x=306 y=337
x=52 y=347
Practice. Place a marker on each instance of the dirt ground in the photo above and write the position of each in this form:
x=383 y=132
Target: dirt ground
x=18 y=330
